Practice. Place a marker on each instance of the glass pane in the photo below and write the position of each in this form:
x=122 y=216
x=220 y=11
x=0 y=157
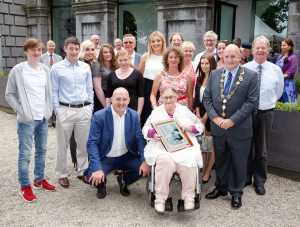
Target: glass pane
x=226 y=22
x=138 y=19
x=63 y=23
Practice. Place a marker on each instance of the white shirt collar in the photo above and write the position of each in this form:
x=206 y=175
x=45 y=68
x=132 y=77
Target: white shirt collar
x=116 y=114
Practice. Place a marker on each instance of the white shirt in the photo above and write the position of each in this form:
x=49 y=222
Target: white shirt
x=132 y=57
x=35 y=86
x=271 y=84
x=153 y=66
x=118 y=147
x=198 y=57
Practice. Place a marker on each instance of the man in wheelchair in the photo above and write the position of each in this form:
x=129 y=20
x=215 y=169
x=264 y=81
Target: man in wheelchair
x=116 y=143
x=185 y=161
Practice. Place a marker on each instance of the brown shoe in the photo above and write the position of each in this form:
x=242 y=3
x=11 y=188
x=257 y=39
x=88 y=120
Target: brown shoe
x=64 y=182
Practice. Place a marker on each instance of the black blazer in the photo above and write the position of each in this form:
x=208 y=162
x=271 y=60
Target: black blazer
x=239 y=108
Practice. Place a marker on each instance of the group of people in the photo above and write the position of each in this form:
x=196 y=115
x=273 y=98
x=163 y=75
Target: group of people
x=109 y=99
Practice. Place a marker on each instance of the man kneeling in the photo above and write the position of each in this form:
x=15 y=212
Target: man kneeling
x=116 y=143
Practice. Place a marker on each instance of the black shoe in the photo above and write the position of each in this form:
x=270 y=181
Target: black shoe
x=249 y=182
x=260 y=190
x=180 y=205
x=101 y=191
x=206 y=181
x=236 y=202
x=215 y=194
x=123 y=187
x=169 y=204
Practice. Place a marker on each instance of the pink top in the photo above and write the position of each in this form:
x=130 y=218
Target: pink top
x=178 y=83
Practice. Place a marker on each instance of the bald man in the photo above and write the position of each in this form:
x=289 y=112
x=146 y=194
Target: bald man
x=230 y=98
x=116 y=143
x=50 y=57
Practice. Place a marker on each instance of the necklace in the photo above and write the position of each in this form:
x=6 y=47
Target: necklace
x=225 y=99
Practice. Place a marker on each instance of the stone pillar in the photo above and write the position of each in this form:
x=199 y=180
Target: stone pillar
x=294 y=25
x=95 y=17
x=38 y=19
x=192 y=18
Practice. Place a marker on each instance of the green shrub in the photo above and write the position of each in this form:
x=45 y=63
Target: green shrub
x=298 y=84
x=289 y=107
x=3 y=73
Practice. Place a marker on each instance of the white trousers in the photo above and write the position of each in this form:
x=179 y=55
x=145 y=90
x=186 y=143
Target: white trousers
x=67 y=120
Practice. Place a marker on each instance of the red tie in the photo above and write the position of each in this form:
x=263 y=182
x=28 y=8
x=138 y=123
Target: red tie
x=51 y=60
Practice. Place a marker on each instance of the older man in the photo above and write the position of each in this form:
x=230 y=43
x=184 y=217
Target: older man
x=271 y=82
x=229 y=99
x=210 y=39
x=118 y=45
x=72 y=92
x=97 y=42
x=116 y=143
x=50 y=57
x=129 y=43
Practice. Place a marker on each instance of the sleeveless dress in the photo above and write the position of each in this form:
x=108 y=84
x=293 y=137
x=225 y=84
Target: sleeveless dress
x=153 y=66
x=178 y=83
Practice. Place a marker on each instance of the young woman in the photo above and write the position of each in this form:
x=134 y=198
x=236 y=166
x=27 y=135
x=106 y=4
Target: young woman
x=206 y=65
x=288 y=62
x=172 y=77
x=105 y=64
x=151 y=65
x=220 y=49
x=128 y=77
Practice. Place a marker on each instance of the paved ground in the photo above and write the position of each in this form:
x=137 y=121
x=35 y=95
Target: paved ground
x=78 y=206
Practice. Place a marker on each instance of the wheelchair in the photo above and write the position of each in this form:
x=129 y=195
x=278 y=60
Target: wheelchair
x=150 y=188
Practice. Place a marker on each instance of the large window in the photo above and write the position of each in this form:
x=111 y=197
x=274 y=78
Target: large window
x=137 y=17
x=63 y=23
x=225 y=20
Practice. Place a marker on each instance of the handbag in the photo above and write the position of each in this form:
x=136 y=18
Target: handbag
x=205 y=142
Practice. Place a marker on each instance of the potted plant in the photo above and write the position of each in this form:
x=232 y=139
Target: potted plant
x=284 y=147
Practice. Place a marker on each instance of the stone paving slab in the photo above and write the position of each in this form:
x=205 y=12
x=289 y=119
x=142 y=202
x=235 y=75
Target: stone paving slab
x=78 y=205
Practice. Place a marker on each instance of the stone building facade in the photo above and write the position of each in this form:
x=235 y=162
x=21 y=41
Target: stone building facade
x=57 y=19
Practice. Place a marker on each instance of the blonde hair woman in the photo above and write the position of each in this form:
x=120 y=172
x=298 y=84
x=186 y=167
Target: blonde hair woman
x=150 y=66
x=128 y=77
x=87 y=52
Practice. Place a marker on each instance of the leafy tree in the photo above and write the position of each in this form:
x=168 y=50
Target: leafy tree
x=276 y=15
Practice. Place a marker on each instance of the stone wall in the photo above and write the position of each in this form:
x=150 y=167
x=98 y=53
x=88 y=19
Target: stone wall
x=13 y=32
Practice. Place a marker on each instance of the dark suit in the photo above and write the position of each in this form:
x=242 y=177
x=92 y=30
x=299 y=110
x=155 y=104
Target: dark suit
x=100 y=142
x=232 y=146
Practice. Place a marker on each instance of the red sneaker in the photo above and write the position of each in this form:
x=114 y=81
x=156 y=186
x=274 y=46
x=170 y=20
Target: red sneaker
x=27 y=194
x=44 y=184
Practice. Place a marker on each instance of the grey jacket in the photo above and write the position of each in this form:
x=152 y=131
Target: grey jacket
x=239 y=108
x=16 y=94
x=46 y=59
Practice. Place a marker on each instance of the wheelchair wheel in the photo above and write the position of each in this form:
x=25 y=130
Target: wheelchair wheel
x=197 y=201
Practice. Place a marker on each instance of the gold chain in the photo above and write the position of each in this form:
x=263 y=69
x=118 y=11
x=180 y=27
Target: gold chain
x=224 y=98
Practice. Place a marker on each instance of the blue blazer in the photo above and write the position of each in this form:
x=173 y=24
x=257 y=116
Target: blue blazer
x=101 y=137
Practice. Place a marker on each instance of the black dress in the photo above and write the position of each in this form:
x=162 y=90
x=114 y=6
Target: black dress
x=199 y=104
x=134 y=84
x=100 y=71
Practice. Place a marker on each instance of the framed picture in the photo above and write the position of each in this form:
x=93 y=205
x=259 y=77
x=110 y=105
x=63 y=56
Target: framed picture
x=172 y=137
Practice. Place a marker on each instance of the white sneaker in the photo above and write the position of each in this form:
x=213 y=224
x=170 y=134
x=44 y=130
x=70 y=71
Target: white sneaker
x=189 y=204
x=159 y=206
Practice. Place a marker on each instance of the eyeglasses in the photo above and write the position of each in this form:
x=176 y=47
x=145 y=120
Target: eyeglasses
x=128 y=42
x=169 y=97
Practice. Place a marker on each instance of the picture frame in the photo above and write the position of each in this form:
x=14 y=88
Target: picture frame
x=172 y=136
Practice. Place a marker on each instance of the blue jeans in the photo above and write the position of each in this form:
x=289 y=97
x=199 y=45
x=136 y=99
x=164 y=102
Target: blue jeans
x=37 y=130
